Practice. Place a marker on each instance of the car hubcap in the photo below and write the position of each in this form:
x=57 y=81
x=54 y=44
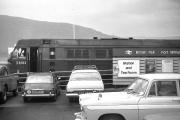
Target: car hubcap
x=5 y=96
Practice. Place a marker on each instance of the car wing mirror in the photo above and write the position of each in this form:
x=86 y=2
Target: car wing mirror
x=141 y=93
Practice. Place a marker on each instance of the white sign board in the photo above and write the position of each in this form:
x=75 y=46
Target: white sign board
x=167 y=65
x=128 y=68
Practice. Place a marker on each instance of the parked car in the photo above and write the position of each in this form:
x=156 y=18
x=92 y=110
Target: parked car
x=84 y=80
x=8 y=84
x=41 y=85
x=148 y=94
x=164 y=116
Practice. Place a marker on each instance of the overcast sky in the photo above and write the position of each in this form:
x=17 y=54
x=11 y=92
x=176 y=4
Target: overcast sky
x=123 y=18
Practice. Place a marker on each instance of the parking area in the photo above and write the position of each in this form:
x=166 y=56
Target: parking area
x=38 y=109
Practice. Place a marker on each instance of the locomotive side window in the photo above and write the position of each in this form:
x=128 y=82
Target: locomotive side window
x=103 y=53
x=85 y=53
x=70 y=53
x=77 y=53
x=110 y=53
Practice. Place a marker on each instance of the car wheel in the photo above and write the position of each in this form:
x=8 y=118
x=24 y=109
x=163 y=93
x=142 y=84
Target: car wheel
x=59 y=92
x=4 y=97
x=25 y=99
x=112 y=117
x=55 y=97
x=15 y=93
x=71 y=99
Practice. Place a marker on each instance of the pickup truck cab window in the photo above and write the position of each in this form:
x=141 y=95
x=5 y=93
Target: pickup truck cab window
x=163 y=88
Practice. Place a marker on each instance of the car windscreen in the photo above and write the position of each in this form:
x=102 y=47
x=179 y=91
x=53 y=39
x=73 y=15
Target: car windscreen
x=85 y=76
x=44 y=86
x=139 y=86
x=39 y=79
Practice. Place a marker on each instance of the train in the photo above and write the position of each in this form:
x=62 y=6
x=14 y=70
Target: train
x=42 y=55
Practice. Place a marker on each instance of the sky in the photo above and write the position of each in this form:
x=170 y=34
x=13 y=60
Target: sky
x=123 y=18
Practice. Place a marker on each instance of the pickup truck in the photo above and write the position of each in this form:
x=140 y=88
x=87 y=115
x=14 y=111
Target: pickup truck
x=8 y=83
x=150 y=94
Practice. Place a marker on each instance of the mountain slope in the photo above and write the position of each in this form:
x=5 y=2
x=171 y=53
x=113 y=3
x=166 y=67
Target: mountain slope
x=13 y=28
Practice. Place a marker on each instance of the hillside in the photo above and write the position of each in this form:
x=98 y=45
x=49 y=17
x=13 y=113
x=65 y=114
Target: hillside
x=13 y=28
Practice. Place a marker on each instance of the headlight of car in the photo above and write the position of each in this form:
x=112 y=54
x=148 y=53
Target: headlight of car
x=28 y=91
x=83 y=108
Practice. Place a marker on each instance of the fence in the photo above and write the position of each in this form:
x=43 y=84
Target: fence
x=64 y=78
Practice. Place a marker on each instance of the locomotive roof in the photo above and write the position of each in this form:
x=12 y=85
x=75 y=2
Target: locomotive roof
x=100 y=42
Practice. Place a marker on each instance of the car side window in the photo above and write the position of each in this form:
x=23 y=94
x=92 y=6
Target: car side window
x=166 y=88
x=152 y=91
x=163 y=88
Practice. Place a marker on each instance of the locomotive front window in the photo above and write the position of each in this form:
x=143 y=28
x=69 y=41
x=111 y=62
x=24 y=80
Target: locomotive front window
x=19 y=53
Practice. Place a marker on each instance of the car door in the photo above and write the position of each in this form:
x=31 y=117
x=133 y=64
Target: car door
x=163 y=96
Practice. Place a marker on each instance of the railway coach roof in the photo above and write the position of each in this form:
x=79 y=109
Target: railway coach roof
x=101 y=42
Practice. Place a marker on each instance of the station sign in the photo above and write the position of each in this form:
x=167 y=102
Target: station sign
x=128 y=68
x=146 y=52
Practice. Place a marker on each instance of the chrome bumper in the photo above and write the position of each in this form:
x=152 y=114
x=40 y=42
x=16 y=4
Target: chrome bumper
x=72 y=94
x=38 y=95
x=79 y=116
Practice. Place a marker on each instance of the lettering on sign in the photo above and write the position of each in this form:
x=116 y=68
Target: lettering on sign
x=128 y=68
x=118 y=52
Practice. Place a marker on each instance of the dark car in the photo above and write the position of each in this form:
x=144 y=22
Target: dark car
x=41 y=85
x=8 y=84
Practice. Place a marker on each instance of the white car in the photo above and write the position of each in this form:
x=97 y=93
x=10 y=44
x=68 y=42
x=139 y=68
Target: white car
x=83 y=81
x=149 y=94
x=164 y=116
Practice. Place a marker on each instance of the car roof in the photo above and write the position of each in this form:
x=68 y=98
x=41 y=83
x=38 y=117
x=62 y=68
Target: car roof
x=163 y=76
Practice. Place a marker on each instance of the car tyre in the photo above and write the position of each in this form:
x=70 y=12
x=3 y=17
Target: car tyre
x=71 y=99
x=3 y=97
x=55 y=97
x=15 y=93
x=112 y=117
x=25 y=99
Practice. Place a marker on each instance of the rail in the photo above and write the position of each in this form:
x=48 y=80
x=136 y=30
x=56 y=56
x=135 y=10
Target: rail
x=64 y=78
